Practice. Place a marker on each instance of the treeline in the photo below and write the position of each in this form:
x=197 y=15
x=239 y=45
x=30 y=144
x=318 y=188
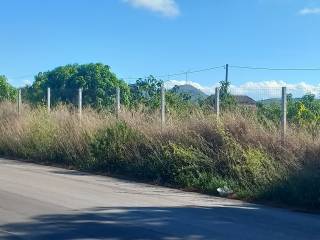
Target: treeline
x=99 y=88
x=99 y=85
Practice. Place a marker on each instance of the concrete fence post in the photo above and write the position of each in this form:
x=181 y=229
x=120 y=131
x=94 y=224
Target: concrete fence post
x=80 y=102
x=163 y=106
x=19 y=102
x=217 y=101
x=49 y=100
x=118 y=102
x=283 y=114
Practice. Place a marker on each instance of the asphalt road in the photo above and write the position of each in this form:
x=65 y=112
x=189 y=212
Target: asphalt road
x=40 y=202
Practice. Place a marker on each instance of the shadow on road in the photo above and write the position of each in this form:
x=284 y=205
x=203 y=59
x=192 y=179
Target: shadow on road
x=229 y=222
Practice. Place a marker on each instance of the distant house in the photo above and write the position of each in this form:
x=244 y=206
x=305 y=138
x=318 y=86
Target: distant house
x=244 y=100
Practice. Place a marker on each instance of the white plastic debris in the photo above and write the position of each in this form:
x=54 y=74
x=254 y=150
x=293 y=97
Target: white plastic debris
x=224 y=191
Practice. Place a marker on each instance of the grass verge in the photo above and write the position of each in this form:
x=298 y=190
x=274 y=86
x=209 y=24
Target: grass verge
x=194 y=153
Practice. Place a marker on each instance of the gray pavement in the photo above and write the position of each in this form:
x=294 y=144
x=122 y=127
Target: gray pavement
x=41 y=202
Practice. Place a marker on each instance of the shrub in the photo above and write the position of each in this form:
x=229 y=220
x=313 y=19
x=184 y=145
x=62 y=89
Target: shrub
x=184 y=165
x=123 y=150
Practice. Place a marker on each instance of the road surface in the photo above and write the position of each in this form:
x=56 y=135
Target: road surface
x=40 y=202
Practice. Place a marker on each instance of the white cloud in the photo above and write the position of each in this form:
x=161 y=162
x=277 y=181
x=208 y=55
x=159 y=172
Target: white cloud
x=275 y=85
x=27 y=82
x=309 y=11
x=167 y=8
x=256 y=90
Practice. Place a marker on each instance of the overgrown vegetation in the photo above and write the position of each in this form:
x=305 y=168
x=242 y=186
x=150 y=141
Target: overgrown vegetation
x=242 y=151
x=195 y=153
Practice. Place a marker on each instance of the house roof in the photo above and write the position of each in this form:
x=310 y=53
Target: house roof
x=243 y=99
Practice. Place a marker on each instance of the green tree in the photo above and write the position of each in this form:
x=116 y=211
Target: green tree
x=97 y=81
x=303 y=112
x=147 y=92
x=180 y=103
x=7 y=92
x=226 y=99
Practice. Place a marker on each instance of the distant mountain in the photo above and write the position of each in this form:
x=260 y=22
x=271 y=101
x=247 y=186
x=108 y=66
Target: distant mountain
x=197 y=94
x=270 y=101
x=193 y=92
x=277 y=100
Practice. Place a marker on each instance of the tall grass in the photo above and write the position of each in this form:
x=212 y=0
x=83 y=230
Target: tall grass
x=193 y=152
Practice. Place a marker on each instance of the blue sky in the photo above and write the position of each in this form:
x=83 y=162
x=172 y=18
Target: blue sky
x=141 y=37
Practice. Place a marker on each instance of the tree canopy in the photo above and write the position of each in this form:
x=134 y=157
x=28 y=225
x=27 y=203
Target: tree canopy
x=7 y=92
x=98 y=84
x=146 y=92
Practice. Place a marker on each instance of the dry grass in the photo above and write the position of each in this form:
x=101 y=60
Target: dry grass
x=194 y=152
